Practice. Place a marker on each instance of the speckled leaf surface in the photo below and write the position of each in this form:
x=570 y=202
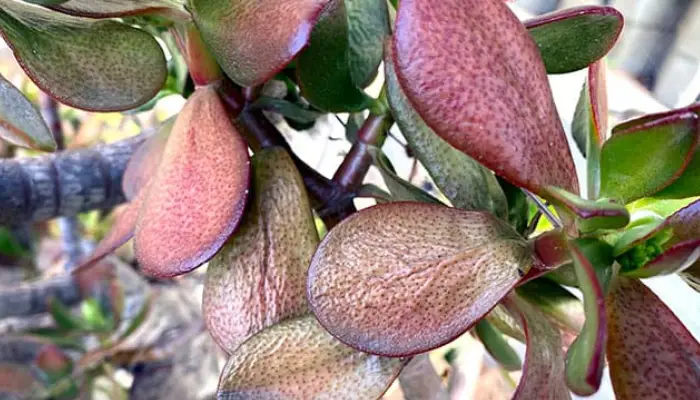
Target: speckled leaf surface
x=368 y=26
x=87 y=64
x=258 y=278
x=650 y=353
x=402 y=278
x=255 y=39
x=143 y=164
x=20 y=123
x=298 y=359
x=475 y=76
x=543 y=371
x=121 y=8
x=465 y=182
x=667 y=145
x=199 y=192
x=574 y=38
x=323 y=70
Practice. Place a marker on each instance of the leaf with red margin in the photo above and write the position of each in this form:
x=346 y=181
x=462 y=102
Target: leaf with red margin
x=122 y=8
x=585 y=358
x=650 y=353
x=590 y=215
x=543 y=371
x=259 y=277
x=198 y=195
x=298 y=359
x=268 y=34
x=667 y=145
x=87 y=64
x=143 y=164
x=574 y=38
x=403 y=278
x=475 y=76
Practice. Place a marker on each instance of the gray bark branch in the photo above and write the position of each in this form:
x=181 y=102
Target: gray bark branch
x=65 y=183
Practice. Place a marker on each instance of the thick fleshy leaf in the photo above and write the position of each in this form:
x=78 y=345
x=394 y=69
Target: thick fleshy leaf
x=403 y=278
x=298 y=359
x=497 y=346
x=465 y=182
x=368 y=27
x=401 y=190
x=121 y=8
x=198 y=195
x=585 y=358
x=677 y=258
x=574 y=38
x=650 y=353
x=143 y=164
x=645 y=158
x=268 y=34
x=259 y=277
x=20 y=123
x=591 y=215
x=474 y=75
x=543 y=371
x=324 y=72
x=88 y=64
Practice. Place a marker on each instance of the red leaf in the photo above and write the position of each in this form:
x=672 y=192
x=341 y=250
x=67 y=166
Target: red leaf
x=143 y=164
x=543 y=371
x=198 y=195
x=474 y=74
x=651 y=354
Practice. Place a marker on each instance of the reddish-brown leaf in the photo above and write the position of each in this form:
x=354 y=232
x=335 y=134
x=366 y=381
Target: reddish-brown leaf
x=198 y=194
x=475 y=75
x=543 y=372
x=298 y=359
x=650 y=353
x=143 y=164
x=254 y=39
x=402 y=278
x=259 y=277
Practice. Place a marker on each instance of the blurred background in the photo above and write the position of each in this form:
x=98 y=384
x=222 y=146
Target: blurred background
x=654 y=66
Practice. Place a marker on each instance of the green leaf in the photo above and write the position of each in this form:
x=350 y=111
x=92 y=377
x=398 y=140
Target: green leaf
x=323 y=69
x=590 y=124
x=63 y=318
x=497 y=346
x=20 y=123
x=574 y=38
x=368 y=27
x=562 y=308
x=9 y=245
x=415 y=275
x=585 y=358
x=591 y=215
x=472 y=72
x=89 y=64
x=298 y=359
x=123 y=8
x=268 y=34
x=288 y=109
x=518 y=206
x=93 y=316
x=355 y=121
x=642 y=159
x=258 y=278
x=401 y=190
x=650 y=352
x=465 y=182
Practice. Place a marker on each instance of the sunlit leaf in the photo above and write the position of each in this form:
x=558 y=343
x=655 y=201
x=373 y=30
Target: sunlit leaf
x=299 y=359
x=89 y=64
x=543 y=371
x=121 y=8
x=259 y=277
x=199 y=192
x=403 y=278
x=474 y=75
x=143 y=164
x=497 y=346
x=268 y=34
x=650 y=353
x=324 y=72
x=574 y=38
x=465 y=182
x=20 y=123
x=644 y=158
